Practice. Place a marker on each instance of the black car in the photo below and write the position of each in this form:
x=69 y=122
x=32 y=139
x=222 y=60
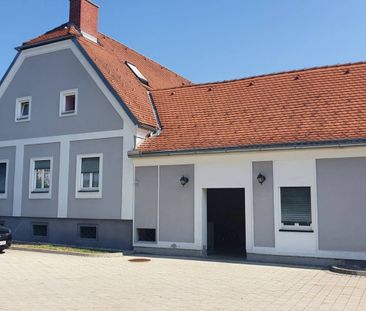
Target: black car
x=5 y=238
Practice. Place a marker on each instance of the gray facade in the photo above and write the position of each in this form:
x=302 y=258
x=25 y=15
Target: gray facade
x=146 y=194
x=43 y=77
x=6 y=205
x=263 y=205
x=176 y=208
x=111 y=234
x=164 y=198
x=110 y=205
x=41 y=207
x=341 y=204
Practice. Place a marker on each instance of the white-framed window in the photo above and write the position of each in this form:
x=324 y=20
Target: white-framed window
x=296 y=208
x=68 y=103
x=89 y=176
x=23 y=109
x=4 y=168
x=40 y=178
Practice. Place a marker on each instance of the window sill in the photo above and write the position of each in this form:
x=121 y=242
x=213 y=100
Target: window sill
x=88 y=191
x=40 y=192
x=22 y=119
x=297 y=230
x=68 y=114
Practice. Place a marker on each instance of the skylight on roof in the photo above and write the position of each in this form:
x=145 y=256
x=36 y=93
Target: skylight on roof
x=138 y=73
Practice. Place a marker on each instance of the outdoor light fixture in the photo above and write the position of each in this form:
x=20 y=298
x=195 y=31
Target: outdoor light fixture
x=261 y=178
x=184 y=180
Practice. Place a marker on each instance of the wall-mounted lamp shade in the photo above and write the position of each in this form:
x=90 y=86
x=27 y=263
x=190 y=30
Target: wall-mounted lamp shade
x=261 y=178
x=184 y=180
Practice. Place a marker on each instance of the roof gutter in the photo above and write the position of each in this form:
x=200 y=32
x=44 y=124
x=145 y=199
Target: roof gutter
x=273 y=147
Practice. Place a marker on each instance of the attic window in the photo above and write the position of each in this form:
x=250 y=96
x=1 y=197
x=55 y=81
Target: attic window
x=137 y=73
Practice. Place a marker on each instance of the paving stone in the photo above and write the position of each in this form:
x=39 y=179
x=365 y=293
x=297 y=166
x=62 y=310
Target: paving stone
x=39 y=281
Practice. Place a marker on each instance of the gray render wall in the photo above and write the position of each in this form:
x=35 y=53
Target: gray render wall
x=176 y=209
x=112 y=234
x=146 y=193
x=341 y=204
x=41 y=207
x=110 y=205
x=6 y=205
x=176 y=202
x=264 y=234
x=43 y=77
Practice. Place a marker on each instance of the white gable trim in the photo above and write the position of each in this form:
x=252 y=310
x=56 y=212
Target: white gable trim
x=58 y=46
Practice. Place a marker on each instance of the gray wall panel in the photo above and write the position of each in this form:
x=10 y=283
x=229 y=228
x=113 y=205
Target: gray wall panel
x=263 y=205
x=342 y=204
x=113 y=234
x=146 y=197
x=176 y=209
x=43 y=207
x=43 y=77
x=109 y=206
x=6 y=205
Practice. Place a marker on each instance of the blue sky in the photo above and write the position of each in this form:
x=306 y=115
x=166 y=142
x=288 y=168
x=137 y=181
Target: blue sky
x=209 y=40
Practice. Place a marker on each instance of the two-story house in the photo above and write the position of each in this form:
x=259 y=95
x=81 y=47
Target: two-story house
x=102 y=147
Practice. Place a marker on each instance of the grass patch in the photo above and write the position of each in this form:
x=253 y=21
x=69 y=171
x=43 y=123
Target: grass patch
x=61 y=248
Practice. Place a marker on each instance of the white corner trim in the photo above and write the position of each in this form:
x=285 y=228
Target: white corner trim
x=127 y=190
x=39 y=195
x=63 y=184
x=88 y=195
x=18 y=103
x=18 y=180
x=4 y=196
x=63 y=94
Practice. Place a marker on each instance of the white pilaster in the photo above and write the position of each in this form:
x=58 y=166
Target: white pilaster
x=18 y=180
x=63 y=185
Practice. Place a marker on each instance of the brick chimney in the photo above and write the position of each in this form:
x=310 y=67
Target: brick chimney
x=84 y=15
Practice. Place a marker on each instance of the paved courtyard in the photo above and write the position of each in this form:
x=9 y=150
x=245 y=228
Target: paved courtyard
x=38 y=281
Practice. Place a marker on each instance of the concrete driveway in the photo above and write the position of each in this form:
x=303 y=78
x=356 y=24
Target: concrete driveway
x=38 y=281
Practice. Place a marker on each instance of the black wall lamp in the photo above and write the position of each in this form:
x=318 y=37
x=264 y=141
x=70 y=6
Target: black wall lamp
x=184 y=180
x=261 y=178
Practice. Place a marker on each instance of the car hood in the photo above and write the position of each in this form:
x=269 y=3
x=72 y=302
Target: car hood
x=4 y=230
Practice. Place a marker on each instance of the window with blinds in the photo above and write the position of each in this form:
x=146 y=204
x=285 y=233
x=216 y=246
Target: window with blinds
x=296 y=206
x=42 y=175
x=90 y=174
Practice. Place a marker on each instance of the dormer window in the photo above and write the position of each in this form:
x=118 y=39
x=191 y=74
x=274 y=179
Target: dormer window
x=137 y=73
x=68 y=102
x=23 y=109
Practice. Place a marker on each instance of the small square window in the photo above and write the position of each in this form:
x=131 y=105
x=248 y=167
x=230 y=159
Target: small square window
x=88 y=232
x=40 y=230
x=23 y=109
x=68 y=102
x=146 y=235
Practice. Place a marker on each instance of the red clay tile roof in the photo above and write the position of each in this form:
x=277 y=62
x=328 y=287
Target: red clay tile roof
x=110 y=57
x=312 y=105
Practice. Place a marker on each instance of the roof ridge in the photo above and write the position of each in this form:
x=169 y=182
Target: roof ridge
x=263 y=75
x=145 y=57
